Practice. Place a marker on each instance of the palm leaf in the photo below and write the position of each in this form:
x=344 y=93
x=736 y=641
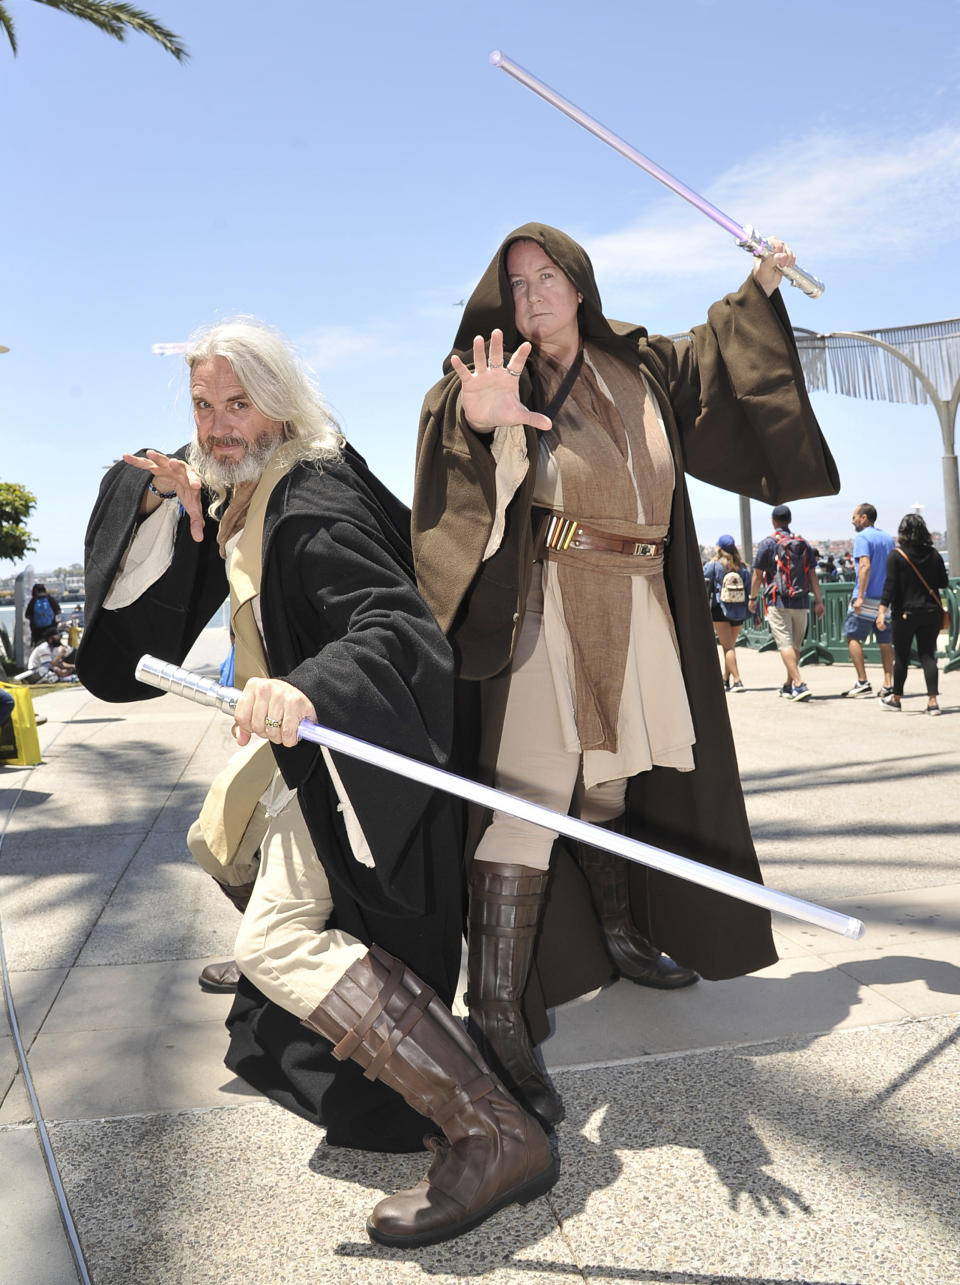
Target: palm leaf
x=6 y=22
x=114 y=19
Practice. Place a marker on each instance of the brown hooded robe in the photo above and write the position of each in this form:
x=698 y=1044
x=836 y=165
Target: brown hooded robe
x=737 y=415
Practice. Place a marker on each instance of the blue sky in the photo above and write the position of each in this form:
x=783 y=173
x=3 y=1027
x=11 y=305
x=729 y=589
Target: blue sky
x=345 y=171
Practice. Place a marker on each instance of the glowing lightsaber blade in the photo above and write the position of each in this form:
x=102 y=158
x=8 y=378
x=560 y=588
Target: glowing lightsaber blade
x=181 y=682
x=747 y=237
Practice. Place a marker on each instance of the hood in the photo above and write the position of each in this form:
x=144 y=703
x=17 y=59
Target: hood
x=491 y=304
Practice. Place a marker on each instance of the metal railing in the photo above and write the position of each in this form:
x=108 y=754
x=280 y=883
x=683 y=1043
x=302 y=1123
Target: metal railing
x=825 y=640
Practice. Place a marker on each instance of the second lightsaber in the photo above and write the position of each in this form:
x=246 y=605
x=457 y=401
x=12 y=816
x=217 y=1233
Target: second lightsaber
x=748 y=238
x=181 y=682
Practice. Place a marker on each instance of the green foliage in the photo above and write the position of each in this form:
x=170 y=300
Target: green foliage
x=16 y=503
x=114 y=19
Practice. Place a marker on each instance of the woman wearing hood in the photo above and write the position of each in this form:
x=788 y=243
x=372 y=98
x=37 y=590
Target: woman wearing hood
x=554 y=542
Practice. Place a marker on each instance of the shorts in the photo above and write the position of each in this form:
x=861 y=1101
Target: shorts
x=861 y=627
x=716 y=611
x=788 y=626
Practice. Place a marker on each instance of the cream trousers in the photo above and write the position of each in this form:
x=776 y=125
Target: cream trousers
x=284 y=946
x=531 y=761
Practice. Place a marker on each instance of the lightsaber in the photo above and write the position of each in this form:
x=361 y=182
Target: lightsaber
x=181 y=682
x=748 y=238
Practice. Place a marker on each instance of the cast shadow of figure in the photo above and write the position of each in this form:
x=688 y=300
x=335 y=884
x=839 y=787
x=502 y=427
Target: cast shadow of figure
x=625 y=1124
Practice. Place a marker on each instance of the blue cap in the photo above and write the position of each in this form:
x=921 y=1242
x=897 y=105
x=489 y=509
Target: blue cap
x=726 y=542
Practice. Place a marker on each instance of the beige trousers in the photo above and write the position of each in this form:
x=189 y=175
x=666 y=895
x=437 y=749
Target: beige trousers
x=284 y=946
x=531 y=761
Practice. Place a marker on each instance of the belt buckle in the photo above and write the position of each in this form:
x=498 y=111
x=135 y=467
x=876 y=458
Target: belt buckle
x=644 y=550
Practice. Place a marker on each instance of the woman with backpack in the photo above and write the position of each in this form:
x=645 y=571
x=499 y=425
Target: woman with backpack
x=728 y=583
x=43 y=611
x=915 y=572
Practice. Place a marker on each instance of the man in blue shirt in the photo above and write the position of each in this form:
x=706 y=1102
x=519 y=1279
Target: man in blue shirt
x=871 y=547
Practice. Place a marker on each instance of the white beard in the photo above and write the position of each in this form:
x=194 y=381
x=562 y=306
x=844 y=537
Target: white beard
x=226 y=473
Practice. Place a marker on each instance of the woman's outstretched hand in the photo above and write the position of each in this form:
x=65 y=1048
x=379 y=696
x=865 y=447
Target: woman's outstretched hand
x=171 y=475
x=489 y=391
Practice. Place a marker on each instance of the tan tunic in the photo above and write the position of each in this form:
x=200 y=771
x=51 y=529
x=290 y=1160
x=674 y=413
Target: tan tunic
x=607 y=624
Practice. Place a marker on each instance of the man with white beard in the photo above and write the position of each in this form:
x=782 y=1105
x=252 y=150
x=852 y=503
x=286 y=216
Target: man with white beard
x=270 y=501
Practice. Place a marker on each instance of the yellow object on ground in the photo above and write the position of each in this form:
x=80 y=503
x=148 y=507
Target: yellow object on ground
x=19 y=744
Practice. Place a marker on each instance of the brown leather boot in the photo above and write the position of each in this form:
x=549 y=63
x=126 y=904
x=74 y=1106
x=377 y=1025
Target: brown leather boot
x=384 y=1017
x=222 y=978
x=635 y=957
x=505 y=906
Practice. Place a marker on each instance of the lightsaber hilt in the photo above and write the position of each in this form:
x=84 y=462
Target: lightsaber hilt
x=182 y=682
x=171 y=678
x=746 y=237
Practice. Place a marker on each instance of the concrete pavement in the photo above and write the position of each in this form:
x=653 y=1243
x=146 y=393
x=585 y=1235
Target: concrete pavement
x=796 y=1126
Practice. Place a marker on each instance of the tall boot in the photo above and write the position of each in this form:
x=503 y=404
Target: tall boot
x=224 y=976
x=505 y=906
x=634 y=957
x=493 y=1154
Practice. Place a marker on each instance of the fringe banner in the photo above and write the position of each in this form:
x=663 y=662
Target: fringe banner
x=855 y=367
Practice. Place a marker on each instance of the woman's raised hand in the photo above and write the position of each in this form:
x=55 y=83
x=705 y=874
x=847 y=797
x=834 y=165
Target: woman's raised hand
x=172 y=475
x=489 y=391
x=769 y=271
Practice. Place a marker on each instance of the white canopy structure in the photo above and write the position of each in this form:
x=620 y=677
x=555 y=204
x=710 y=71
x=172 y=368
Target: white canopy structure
x=900 y=364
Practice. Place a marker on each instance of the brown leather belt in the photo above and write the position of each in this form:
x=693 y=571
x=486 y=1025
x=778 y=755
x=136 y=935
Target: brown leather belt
x=567 y=533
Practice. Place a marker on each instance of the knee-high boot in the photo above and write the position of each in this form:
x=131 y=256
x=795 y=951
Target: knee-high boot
x=224 y=976
x=635 y=957
x=493 y=1154
x=505 y=907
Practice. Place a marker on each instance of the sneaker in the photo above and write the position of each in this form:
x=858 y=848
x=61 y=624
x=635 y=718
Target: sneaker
x=787 y=691
x=889 y=703
x=736 y=686
x=934 y=710
x=860 y=688
x=885 y=691
x=800 y=693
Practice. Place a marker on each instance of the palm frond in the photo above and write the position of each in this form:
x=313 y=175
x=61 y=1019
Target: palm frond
x=114 y=19
x=6 y=22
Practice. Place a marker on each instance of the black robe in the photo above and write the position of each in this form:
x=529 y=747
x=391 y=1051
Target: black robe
x=737 y=415
x=343 y=621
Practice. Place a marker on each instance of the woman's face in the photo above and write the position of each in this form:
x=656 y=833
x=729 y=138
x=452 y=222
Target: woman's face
x=544 y=299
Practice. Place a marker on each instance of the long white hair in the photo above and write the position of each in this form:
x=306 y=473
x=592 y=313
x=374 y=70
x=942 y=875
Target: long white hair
x=274 y=379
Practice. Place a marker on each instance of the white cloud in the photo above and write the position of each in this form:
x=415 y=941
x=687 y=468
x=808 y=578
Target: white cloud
x=336 y=347
x=837 y=197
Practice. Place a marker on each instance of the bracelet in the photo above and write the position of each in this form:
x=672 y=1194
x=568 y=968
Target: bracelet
x=163 y=495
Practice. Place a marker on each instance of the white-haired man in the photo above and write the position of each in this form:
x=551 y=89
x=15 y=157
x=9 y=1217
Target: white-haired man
x=270 y=500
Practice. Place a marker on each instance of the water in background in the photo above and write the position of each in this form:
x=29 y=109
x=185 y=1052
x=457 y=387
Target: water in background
x=215 y=645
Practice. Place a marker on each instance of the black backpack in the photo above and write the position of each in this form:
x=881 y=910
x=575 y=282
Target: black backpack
x=793 y=563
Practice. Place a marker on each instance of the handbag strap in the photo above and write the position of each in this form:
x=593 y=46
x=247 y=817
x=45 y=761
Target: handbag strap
x=935 y=596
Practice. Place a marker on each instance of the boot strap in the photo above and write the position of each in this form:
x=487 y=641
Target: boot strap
x=518 y=932
x=512 y=898
x=412 y=1014
x=472 y=1091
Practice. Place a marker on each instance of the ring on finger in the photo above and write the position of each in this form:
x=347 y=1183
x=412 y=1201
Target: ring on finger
x=273 y=722
x=495 y=365
x=514 y=373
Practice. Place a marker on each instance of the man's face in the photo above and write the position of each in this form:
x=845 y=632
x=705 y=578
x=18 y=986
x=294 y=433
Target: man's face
x=234 y=438
x=859 y=520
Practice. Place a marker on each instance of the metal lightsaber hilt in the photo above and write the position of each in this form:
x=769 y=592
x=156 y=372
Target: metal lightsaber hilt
x=746 y=237
x=170 y=678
